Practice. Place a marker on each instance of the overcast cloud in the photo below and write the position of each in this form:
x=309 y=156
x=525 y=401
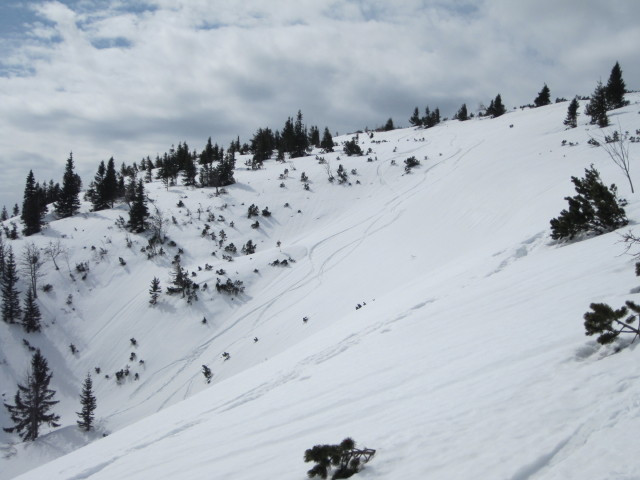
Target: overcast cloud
x=127 y=79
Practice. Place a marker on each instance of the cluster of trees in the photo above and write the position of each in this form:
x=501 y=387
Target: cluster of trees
x=294 y=140
x=28 y=315
x=430 y=119
x=34 y=400
x=607 y=97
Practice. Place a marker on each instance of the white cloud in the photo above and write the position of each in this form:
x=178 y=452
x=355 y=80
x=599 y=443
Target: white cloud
x=105 y=78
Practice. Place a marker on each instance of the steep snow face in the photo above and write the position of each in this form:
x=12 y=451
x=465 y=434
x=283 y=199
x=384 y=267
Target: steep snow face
x=465 y=356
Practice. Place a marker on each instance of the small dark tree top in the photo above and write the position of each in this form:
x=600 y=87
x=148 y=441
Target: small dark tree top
x=572 y=114
x=544 y=97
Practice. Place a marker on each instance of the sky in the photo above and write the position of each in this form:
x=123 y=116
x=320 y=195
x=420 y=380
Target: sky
x=128 y=79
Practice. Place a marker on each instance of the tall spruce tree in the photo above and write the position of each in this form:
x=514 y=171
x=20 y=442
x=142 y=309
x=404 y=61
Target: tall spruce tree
x=544 y=97
x=68 y=202
x=4 y=215
x=572 y=114
x=89 y=404
x=10 y=294
x=33 y=402
x=616 y=89
x=415 y=119
x=31 y=209
x=327 y=141
x=496 y=108
x=138 y=212
x=597 y=107
x=32 y=317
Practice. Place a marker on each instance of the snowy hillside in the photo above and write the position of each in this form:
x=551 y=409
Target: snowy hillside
x=467 y=358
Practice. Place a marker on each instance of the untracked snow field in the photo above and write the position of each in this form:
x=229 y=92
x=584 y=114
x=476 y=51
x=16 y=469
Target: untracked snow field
x=466 y=358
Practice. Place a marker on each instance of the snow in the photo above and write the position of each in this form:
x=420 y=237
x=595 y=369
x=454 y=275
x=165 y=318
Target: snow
x=468 y=360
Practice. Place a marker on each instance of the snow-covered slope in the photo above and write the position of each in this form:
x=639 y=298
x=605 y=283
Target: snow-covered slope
x=468 y=360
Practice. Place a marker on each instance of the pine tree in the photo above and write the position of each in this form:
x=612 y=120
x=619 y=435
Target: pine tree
x=31 y=209
x=616 y=89
x=89 y=404
x=138 y=212
x=415 y=119
x=496 y=108
x=543 y=98
x=33 y=402
x=4 y=215
x=595 y=209
x=389 y=125
x=462 y=114
x=327 y=141
x=32 y=316
x=572 y=114
x=16 y=209
x=68 y=203
x=10 y=295
x=597 y=107
x=155 y=290
x=3 y=259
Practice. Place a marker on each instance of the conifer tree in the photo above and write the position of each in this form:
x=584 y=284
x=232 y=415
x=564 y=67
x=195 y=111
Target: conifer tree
x=572 y=114
x=31 y=209
x=496 y=108
x=68 y=202
x=616 y=89
x=3 y=259
x=155 y=290
x=33 y=402
x=32 y=317
x=389 y=125
x=138 y=212
x=10 y=294
x=16 y=209
x=89 y=404
x=595 y=209
x=415 y=119
x=544 y=97
x=4 y=215
x=597 y=107
x=327 y=141
x=462 y=114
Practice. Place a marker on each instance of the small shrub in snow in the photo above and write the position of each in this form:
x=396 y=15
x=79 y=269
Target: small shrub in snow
x=344 y=459
x=409 y=163
x=208 y=375
x=608 y=323
x=596 y=209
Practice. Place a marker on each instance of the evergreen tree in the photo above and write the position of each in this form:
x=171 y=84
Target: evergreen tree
x=32 y=317
x=496 y=108
x=10 y=294
x=16 y=209
x=389 y=125
x=300 y=140
x=327 y=141
x=3 y=260
x=595 y=209
x=155 y=290
x=572 y=114
x=224 y=171
x=616 y=89
x=462 y=114
x=262 y=145
x=33 y=402
x=68 y=203
x=89 y=404
x=415 y=119
x=138 y=212
x=544 y=97
x=597 y=107
x=5 y=215
x=314 y=136
x=31 y=209
x=206 y=159
x=109 y=187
